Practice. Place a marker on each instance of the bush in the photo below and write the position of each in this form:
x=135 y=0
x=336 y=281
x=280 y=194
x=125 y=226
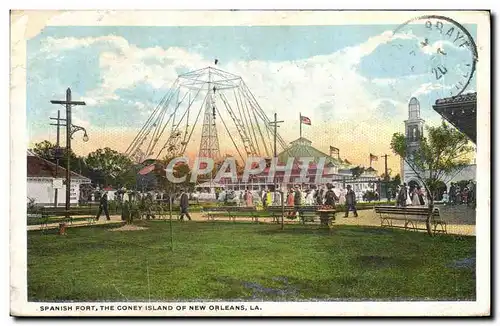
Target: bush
x=370 y=195
x=31 y=206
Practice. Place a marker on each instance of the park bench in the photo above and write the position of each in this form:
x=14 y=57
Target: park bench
x=60 y=215
x=308 y=213
x=411 y=216
x=276 y=211
x=232 y=212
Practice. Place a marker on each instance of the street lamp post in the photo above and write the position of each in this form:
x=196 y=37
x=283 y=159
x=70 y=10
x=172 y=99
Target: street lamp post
x=70 y=130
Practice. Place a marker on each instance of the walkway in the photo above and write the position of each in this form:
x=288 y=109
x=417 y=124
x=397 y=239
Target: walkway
x=461 y=220
x=114 y=220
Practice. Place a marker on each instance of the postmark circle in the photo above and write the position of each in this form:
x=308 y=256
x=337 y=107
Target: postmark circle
x=442 y=41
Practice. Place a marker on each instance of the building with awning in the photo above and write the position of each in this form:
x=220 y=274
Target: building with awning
x=461 y=112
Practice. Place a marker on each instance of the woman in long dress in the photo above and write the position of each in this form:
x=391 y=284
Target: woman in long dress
x=408 y=198
x=249 y=198
x=414 y=199
x=309 y=200
x=290 y=201
x=342 y=197
x=420 y=196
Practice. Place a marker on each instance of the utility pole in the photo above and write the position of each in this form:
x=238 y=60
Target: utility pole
x=275 y=125
x=70 y=130
x=57 y=151
x=386 y=177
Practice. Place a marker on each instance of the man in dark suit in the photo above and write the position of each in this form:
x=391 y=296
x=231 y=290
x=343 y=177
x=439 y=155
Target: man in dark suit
x=103 y=206
x=350 y=202
x=184 y=203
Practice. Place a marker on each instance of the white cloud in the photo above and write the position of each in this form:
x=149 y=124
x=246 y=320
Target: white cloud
x=429 y=87
x=327 y=88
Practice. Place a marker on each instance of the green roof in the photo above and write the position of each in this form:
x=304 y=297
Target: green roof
x=302 y=147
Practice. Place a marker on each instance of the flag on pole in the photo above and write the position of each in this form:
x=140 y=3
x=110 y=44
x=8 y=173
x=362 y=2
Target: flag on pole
x=373 y=157
x=305 y=120
x=147 y=169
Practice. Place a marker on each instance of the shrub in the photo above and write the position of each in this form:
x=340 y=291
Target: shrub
x=370 y=195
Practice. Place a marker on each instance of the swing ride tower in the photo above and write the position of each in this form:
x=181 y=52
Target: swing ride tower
x=230 y=113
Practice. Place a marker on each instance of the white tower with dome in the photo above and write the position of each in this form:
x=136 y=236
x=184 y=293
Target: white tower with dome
x=414 y=130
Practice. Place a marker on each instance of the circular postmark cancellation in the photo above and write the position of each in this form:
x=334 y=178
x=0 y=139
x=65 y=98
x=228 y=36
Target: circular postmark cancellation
x=439 y=47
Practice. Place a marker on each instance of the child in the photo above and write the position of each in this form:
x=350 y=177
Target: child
x=446 y=198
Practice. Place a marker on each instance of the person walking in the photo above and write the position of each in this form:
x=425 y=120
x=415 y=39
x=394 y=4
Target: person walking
x=184 y=203
x=103 y=206
x=290 y=197
x=350 y=201
x=268 y=198
x=330 y=196
x=402 y=196
x=297 y=200
x=420 y=196
x=414 y=199
x=319 y=196
x=445 y=198
x=342 y=196
x=408 y=199
x=277 y=198
x=451 y=194
x=248 y=198
x=309 y=197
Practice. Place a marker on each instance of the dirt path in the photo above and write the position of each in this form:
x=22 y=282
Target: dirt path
x=461 y=220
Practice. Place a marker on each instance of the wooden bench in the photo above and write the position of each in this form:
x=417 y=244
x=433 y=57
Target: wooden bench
x=232 y=212
x=308 y=213
x=410 y=215
x=47 y=212
x=276 y=211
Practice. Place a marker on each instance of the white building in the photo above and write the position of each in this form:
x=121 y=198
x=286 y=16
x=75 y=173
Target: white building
x=414 y=131
x=42 y=180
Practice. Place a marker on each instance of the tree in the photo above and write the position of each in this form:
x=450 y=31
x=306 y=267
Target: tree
x=46 y=150
x=180 y=170
x=443 y=152
x=111 y=167
x=357 y=171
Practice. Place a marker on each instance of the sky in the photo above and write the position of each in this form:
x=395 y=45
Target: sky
x=353 y=81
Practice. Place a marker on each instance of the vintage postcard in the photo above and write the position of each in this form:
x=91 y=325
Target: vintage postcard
x=250 y=163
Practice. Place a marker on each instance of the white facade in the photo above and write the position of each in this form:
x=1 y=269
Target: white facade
x=468 y=173
x=414 y=128
x=43 y=192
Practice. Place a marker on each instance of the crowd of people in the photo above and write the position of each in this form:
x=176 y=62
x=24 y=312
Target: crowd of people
x=457 y=195
x=410 y=197
x=326 y=196
x=460 y=195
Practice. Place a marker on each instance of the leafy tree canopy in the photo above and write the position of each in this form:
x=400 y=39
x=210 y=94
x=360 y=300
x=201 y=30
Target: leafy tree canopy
x=113 y=167
x=444 y=151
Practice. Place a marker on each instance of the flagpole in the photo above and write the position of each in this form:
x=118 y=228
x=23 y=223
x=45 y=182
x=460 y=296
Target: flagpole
x=300 y=129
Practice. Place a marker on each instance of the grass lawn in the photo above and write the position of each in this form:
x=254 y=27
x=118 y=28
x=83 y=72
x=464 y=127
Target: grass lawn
x=244 y=261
